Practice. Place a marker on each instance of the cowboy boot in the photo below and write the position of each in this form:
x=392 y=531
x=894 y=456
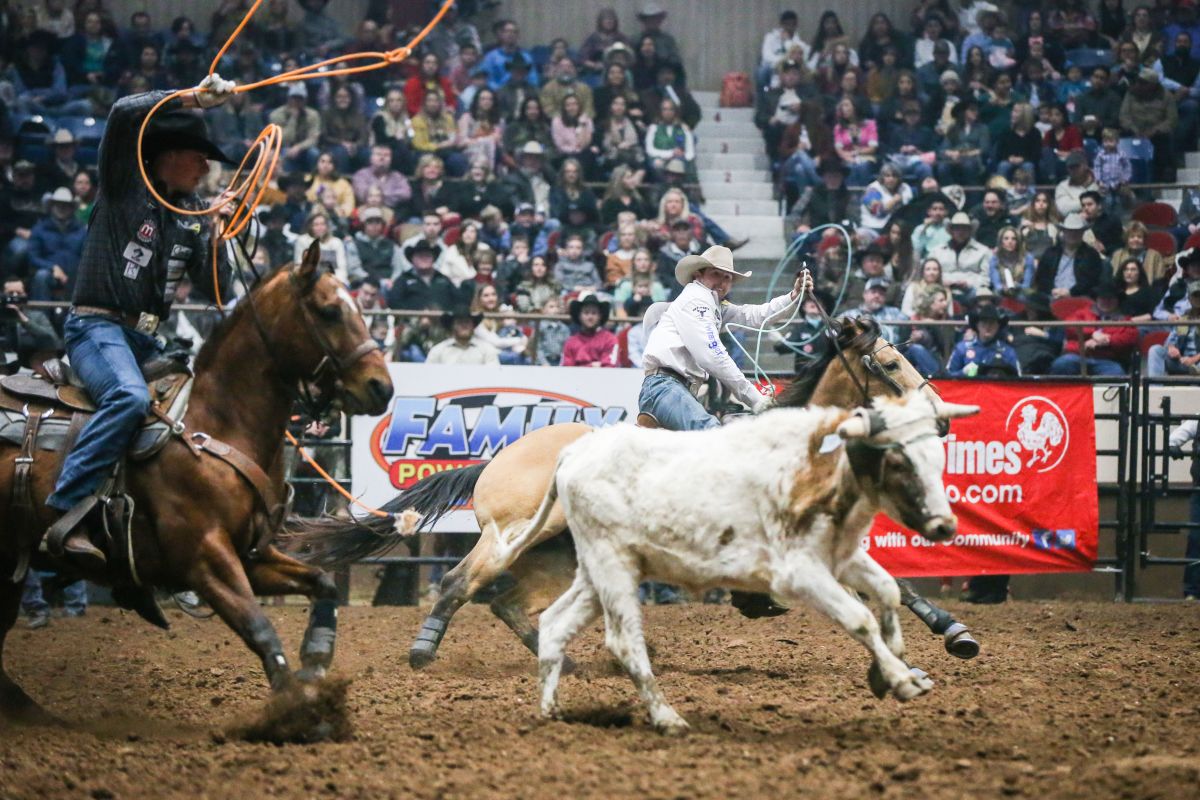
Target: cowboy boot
x=67 y=538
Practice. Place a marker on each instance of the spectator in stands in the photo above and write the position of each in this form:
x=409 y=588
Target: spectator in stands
x=552 y=334
x=640 y=285
x=430 y=234
x=530 y=126
x=1105 y=233
x=538 y=287
x=779 y=45
x=990 y=216
x=1039 y=224
x=55 y=246
x=910 y=146
x=937 y=339
x=1189 y=431
x=1151 y=261
x=830 y=33
x=1175 y=303
x=459 y=260
x=830 y=202
x=1184 y=21
x=24 y=332
x=481 y=129
x=1113 y=170
x=1071 y=268
x=429 y=78
x=1060 y=141
x=531 y=181
x=319 y=228
x=988 y=354
x=607 y=33
x=1141 y=33
x=934 y=232
x=573 y=270
x=779 y=108
x=1067 y=193
x=39 y=82
x=431 y=193
x=331 y=190
x=1180 y=353
x=1138 y=298
x=1181 y=76
x=883 y=198
x=1100 y=100
x=435 y=133
x=319 y=34
x=624 y=193
x=301 y=126
x=670 y=138
x=964 y=260
x=880 y=36
x=871 y=265
x=674 y=206
x=667 y=86
x=506 y=55
x=370 y=251
x=477 y=190
x=874 y=304
x=62 y=167
x=422 y=286
x=619 y=141
x=929 y=75
x=566 y=83
x=618 y=258
x=856 y=143
x=1106 y=350
x=20 y=210
x=680 y=243
x=964 y=146
x=616 y=84
x=464 y=345
x=1019 y=145
x=592 y=345
x=651 y=17
x=932 y=34
x=1012 y=268
x=510 y=344
x=1036 y=346
x=572 y=132
x=390 y=126
x=378 y=174
x=83 y=187
x=235 y=124
x=1149 y=112
x=518 y=89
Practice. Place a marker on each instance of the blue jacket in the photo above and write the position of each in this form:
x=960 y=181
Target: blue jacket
x=51 y=243
x=997 y=352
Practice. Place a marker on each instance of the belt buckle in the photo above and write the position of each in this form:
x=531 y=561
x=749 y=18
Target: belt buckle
x=147 y=323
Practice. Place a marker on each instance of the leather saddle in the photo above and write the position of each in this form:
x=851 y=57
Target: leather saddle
x=56 y=388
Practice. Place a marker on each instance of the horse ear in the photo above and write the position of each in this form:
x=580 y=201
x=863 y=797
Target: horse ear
x=306 y=272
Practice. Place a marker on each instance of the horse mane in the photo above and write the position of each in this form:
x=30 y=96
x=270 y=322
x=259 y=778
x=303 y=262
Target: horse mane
x=221 y=330
x=852 y=334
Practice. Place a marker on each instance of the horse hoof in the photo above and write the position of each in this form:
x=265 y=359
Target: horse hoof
x=914 y=685
x=420 y=656
x=879 y=685
x=960 y=643
x=672 y=725
x=310 y=674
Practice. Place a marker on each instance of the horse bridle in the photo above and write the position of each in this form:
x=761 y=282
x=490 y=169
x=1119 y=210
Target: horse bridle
x=870 y=362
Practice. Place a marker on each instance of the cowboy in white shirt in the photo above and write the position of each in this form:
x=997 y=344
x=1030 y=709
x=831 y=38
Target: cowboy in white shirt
x=685 y=347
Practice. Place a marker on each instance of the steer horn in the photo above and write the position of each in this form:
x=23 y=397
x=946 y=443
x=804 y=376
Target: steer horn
x=953 y=410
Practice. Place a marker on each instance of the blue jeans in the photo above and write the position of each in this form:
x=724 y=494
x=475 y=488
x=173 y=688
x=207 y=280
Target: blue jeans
x=925 y=362
x=108 y=358
x=673 y=405
x=1007 y=168
x=1159 y=365
x=33 y=603
x=1070 y=364
x=1191 y=573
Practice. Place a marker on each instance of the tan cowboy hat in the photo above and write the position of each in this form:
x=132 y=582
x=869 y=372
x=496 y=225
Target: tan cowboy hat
x=717 y=257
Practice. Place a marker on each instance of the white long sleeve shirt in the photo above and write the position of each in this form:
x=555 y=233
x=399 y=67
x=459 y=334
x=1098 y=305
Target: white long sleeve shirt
x=687 y=339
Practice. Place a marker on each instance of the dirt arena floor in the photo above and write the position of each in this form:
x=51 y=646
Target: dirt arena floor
x=1067 y=700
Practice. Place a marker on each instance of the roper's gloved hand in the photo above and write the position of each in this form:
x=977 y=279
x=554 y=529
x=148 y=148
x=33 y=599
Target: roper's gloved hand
x=213 y=91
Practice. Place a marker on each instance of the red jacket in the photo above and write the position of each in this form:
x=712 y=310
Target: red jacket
x=1123 y=341
x=1071 y=139
x=414 y=94
x=582 y=349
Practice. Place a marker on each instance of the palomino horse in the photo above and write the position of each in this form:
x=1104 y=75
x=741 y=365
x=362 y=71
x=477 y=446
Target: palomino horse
x=508 y=489
x=198 y=523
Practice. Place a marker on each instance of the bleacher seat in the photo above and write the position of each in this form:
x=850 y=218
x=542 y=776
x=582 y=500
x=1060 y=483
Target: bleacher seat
x=1141 y=154
x=1012 y=305
x=1156 y=215
x=1064 y=307
x=1087 y=58
x=86 y=130
x=1192 y=241
x=1161 y=241
x=1150 y=339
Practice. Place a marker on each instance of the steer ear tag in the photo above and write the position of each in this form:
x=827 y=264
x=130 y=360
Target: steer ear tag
x=830 y=443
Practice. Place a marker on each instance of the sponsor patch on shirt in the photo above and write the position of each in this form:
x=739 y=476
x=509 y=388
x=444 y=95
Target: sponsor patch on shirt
x=146 y=232
x=701 y=311
x=180 y=251
x=132 y=270
x=194 y=227
x=137 y=253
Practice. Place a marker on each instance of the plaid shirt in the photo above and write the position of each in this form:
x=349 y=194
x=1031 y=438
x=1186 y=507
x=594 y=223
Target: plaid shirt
x=1112 y=169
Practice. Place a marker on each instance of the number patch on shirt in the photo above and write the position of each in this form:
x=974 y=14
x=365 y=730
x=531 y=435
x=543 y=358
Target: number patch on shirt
x=132 y=270
x=137 y=254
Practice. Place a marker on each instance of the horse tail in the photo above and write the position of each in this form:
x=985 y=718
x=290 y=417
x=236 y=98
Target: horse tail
x=331 y=542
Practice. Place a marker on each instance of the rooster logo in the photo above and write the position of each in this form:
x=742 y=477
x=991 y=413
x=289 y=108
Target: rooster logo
x=1042 y=432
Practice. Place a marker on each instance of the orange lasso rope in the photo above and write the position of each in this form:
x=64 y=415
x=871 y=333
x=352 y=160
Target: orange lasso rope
x=257 y=168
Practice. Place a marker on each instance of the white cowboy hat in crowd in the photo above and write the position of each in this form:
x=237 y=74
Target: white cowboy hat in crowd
x=716 y=257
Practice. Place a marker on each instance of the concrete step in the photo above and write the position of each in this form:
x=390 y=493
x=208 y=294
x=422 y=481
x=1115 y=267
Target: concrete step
x=1187 y=176
x=730 y=144
x=765 y=232
x=730 y=175
x=707 y=98
x=727 y=128
x=737 y=207
x=1173 y=202
x=732 y=161
x=1191 y=160
x=719 y=117
x=1169 y=195
x=736 y=190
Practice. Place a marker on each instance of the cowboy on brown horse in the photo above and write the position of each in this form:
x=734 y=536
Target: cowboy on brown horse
x=135 y=254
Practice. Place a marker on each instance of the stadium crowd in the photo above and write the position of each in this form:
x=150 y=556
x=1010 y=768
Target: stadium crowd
x=486 y=175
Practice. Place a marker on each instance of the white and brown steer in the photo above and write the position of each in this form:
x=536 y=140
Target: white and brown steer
x=777 y=503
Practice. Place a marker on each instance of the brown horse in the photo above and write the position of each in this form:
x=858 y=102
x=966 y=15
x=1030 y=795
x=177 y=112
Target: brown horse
x=508 y=489
x=198 y=524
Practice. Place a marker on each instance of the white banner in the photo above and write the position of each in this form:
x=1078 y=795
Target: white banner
x=446 y=417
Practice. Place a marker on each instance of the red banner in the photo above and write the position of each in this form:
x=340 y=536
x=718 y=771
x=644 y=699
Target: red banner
x=1020 y=476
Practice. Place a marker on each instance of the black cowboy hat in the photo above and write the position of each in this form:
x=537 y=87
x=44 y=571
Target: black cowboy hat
x=422 y=246
x=460 y=312
x=181 y=130
x=984 y=314
x=589 y=300
x=518 y=61
x=1036 y=302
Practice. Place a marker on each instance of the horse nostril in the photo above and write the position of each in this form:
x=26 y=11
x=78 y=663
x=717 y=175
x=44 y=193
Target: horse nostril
x=380 y=391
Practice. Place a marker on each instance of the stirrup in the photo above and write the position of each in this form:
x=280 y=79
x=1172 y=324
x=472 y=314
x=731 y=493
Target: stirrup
x=56 y=535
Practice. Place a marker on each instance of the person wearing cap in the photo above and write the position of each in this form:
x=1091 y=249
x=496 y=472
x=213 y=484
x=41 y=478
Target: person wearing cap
x=301 y=126
x=1174 y=303
x=1150 y=112
x=532 y=180
x=369 y=250
x=61 y=168
x=24 y=332
x=55 y=245
x=965 y=261
x=592 y=345
x=462 y=347
x=685 y=347
x=988 y=354
x=1070 y=267
x=135 y=253
x=875 y=294
x=1180 y=353
x=1104 y=350
x=507 y=54
x=651 y=16
x=20 y=210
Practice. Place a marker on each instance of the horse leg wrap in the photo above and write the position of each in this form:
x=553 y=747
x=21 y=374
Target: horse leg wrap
x=936 y=619
x=316 y=651
x=424 y=647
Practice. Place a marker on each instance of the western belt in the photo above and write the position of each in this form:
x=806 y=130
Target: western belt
x=145 y=323
x=670 y=373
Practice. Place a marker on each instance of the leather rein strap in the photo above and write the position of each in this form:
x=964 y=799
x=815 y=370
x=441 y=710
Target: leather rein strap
x=250 y=472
